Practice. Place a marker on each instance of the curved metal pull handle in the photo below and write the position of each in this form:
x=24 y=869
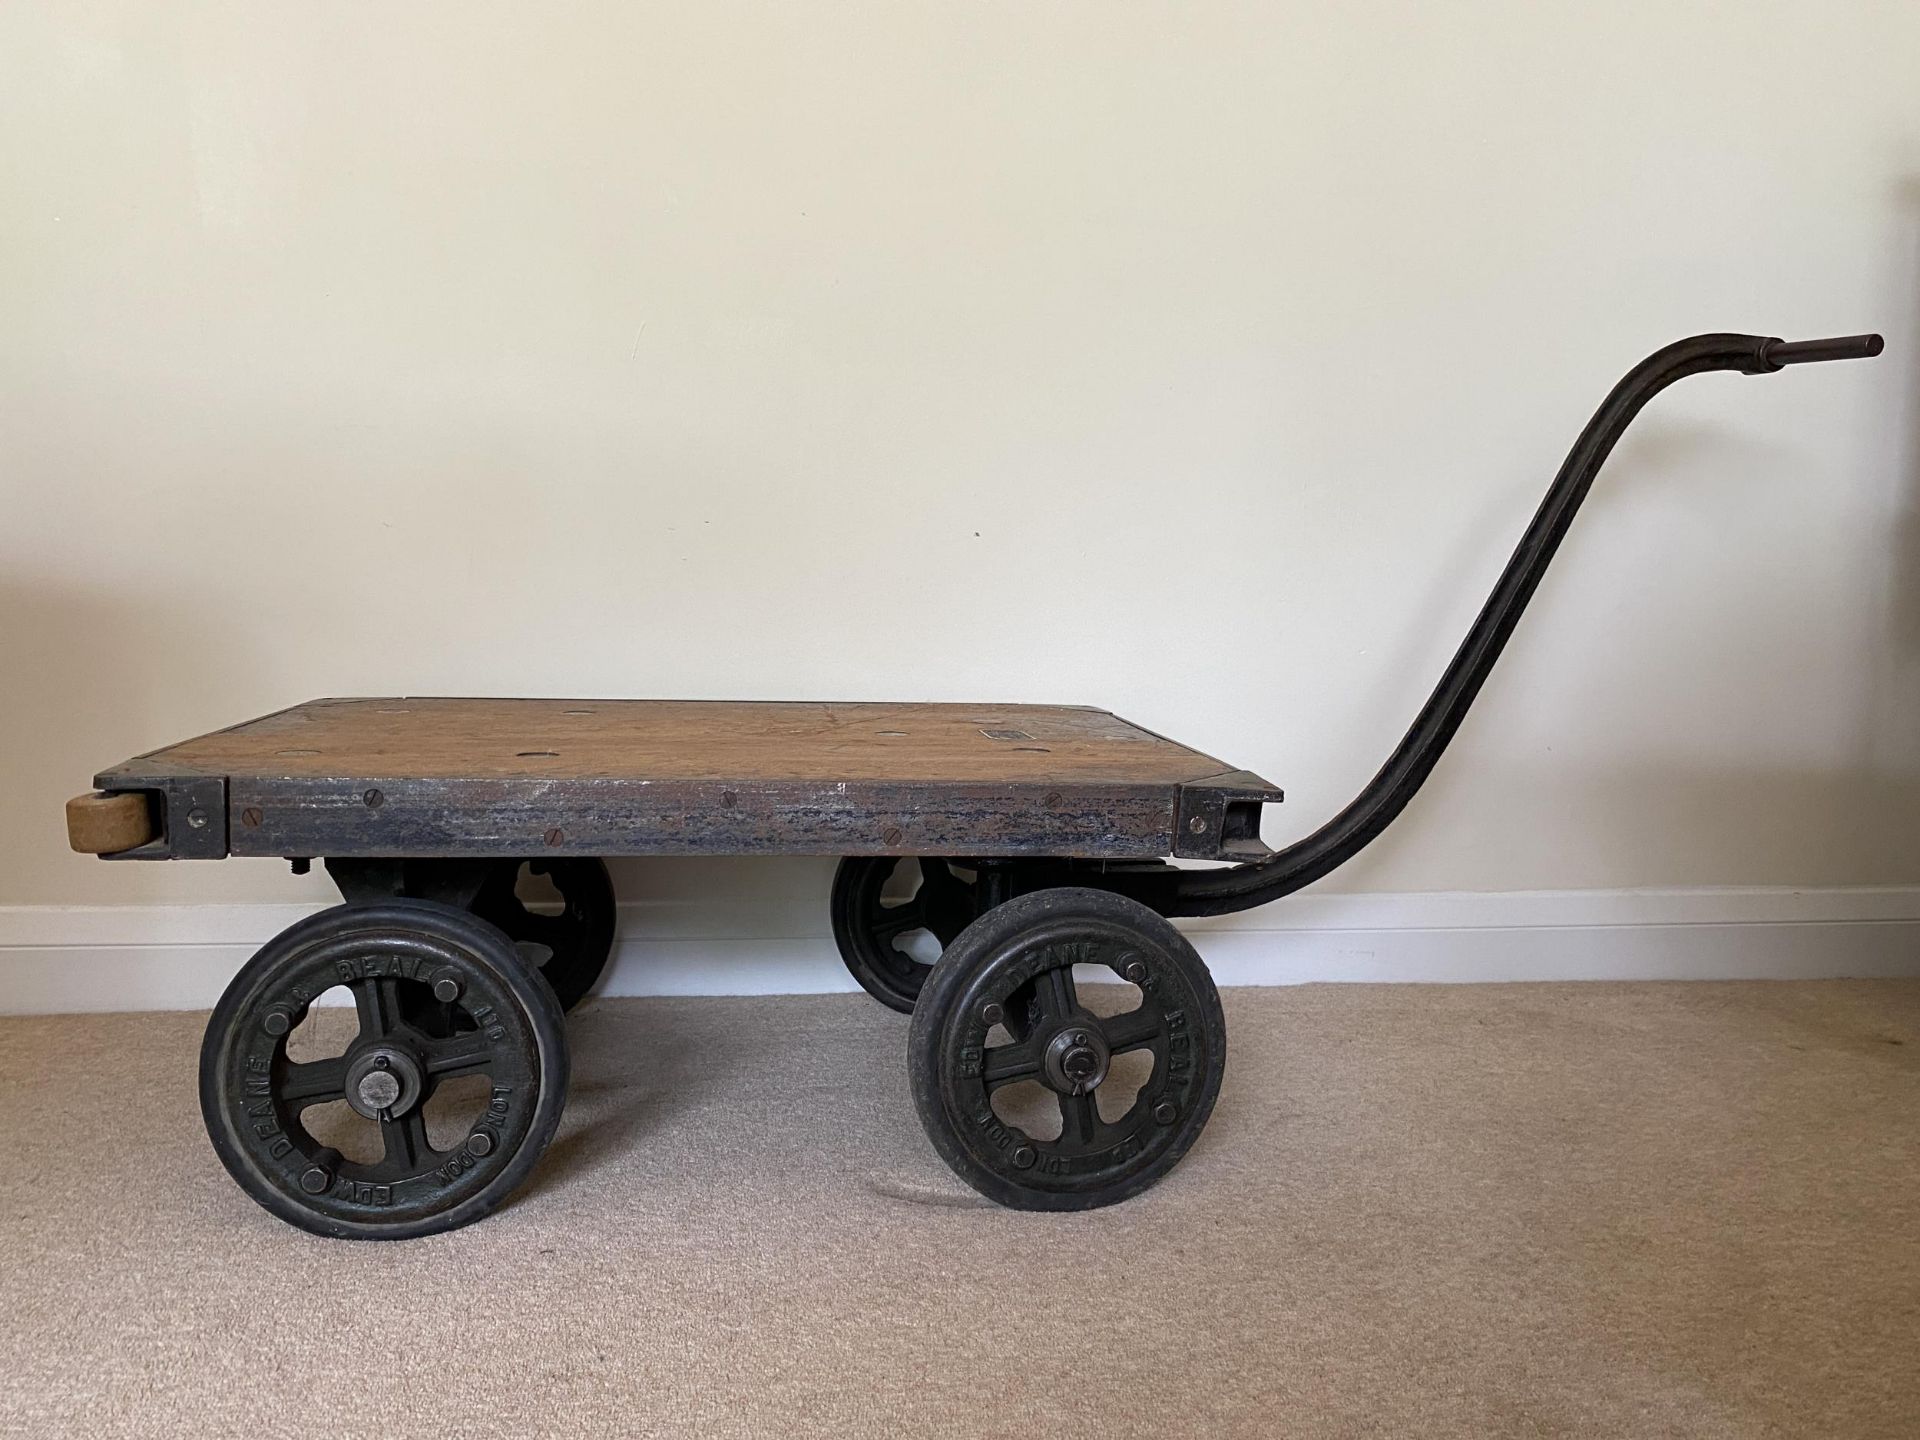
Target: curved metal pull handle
x=1216 y=892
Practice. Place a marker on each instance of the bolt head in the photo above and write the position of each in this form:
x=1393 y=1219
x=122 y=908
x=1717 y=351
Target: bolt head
x=1166 y=1112
x=446 y=989
x=1023 y=1157
x=991 y=1014
x=315 y=1180
x=1197 y=824
x=197 y=819
x=480 y=1143
x=276 y=1022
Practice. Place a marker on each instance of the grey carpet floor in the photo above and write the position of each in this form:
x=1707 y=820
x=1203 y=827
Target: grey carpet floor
x=1688 y=1210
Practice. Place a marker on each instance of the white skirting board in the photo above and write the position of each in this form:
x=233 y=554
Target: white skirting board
x=179 y=957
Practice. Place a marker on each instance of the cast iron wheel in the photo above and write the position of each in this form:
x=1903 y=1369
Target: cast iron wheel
x=1020 y=957
x=506 y=1026
x=569 y=948
x=867 y=927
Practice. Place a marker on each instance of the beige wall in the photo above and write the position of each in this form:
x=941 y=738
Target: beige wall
x=1198 y=361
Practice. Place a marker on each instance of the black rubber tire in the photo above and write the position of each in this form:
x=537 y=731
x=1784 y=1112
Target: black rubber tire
x=387 y=947
x=885 y=972
x=579 y=940
x=1008 y=958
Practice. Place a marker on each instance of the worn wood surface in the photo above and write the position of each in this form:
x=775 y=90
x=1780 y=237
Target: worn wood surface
x=610 y=777
x=435 y=739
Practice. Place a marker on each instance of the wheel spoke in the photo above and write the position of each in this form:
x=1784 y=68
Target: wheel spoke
x=1060 y=996
x=552 y=931
x=405 y=1137
x=459 y=1055
x=946 y=900
x=426 y=1014
x=1077 y=1119
x=378 y=1003
x=314 y=1081
x=1004 y=1064
x=1131 y=1030
x=899 y=919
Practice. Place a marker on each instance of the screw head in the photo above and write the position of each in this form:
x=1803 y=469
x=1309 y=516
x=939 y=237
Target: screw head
x=197 y=818
x=374 y=799
x=314 y=1180
x=250 y=817
x=276 y=1022
x=1136 y=971
x=556 y=835
x=446 y=987
x=1166 y=1112
x=1023 y=1157
x=479 y=1143
x=991 y=1014
x=1197 y=824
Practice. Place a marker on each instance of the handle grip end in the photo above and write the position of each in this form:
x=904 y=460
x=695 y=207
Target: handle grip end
x=1776 y=354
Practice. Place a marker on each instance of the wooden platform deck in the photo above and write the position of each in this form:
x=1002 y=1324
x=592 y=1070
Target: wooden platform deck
x=365 y=777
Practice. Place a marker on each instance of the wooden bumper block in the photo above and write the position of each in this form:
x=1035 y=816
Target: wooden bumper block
x=106 y=824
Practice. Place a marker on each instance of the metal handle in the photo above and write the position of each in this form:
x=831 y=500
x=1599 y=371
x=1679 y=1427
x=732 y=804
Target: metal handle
x=1239 y=887
x=1776 y=353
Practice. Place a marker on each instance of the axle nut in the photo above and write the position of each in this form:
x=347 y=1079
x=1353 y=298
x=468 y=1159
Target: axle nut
x=1166 y=1112
x=991 y=1014
x=479 y=1143
x=1024 y=1157
x=276 y=1022
x=315 y=1180
x=446 y=987
x=1136 y=972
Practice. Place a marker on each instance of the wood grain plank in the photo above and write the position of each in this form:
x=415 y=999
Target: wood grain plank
x=687 y=740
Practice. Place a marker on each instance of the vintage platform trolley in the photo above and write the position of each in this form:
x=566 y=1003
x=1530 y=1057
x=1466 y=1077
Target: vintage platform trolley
x=1043 y=836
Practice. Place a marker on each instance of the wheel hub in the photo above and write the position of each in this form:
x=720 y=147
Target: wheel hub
x=1076 y=1060
x=384 y=1080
